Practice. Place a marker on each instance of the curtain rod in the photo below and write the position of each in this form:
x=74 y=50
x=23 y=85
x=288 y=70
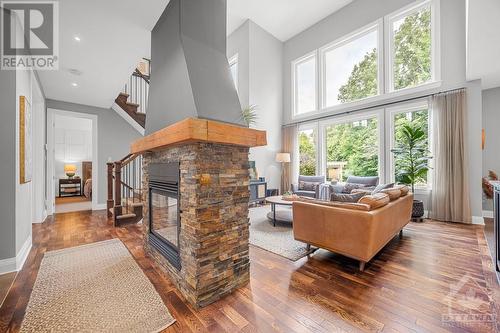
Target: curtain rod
x=372 y=107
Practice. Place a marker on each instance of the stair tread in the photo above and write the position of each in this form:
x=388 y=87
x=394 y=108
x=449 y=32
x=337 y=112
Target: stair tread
x=125 y=216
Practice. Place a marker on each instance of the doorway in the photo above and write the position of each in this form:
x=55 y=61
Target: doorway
x=72 y=161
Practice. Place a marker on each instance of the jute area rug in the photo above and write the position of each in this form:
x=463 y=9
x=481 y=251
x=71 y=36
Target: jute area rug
x=94 y=288
x=278 y=239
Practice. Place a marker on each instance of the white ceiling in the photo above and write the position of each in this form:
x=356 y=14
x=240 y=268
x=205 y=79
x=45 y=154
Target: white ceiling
x=115 y=34
x=282 y=18
x=483 y=43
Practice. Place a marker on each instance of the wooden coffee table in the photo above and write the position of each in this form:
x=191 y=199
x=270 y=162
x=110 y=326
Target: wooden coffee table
x=280 y=215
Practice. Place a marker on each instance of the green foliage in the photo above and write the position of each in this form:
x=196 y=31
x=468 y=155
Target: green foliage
x=356 y=144
x=412 y=154
x=412 y=50
x=362 y=82
x=307 y=154
x=249 y=115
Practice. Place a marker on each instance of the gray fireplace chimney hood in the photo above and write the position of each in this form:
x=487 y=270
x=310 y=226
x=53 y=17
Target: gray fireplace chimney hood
x=190 y=75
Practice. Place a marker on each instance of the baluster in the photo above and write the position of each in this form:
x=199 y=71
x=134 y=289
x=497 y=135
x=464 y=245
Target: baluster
x=118 y=188
x=110 y=202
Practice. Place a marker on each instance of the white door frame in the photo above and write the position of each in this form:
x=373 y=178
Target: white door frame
x=51 y=113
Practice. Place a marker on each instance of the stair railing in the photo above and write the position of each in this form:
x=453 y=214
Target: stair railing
x=137 y=88
x=125 y=188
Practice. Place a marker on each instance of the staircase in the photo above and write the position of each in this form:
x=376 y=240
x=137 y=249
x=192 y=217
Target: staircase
x=125 y=192
x=134 y=96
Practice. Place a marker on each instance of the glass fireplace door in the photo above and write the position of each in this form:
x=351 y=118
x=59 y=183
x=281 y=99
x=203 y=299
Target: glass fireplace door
x=165 y=217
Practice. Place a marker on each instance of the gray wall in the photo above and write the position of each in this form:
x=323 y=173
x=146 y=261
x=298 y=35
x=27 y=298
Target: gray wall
x=7 y=164
x=261 y=55
x=191 y=76
x=114 y=137
x=491 y=121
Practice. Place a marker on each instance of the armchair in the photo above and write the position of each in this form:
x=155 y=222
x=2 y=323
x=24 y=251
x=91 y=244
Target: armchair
x=309 y=179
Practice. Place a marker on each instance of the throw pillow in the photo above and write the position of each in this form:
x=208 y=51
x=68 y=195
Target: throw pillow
x=381 y=187
x=307 y=186
x=403 y=188
x=343 y=197
x=348 y=187
x=393 y=193
x=375 y=201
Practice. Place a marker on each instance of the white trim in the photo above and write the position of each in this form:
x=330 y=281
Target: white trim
x=479 y=220
x=376 y=26
x=16 y=264
x=127 y=118
x=488 y=214
x=51 y=113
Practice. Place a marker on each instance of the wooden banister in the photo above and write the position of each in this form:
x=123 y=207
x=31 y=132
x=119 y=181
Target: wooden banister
x=109 y=201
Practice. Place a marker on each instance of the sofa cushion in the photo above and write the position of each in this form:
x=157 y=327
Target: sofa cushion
x=309 y=194
x=375 y=201
x=403 y=188
x=308 y=186
x=393 y=193
x=367 y=181
x=343 y=197
x=346 y=205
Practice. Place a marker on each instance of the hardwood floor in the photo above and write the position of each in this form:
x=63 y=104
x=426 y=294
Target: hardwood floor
x=5 y=283
x=406 y=288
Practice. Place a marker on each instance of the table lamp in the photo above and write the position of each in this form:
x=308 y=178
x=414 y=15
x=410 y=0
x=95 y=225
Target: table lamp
x=70 y=170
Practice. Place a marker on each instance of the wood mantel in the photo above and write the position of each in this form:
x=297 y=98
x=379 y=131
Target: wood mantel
x=199 y=130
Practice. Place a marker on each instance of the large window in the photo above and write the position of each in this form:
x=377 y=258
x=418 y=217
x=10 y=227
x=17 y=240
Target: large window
x=411 y=47
x=305 y=84
x=307 y=151
x=351 y=68
x=352 y=148
x=416 y=116
x=361 y=144
x=397 y=52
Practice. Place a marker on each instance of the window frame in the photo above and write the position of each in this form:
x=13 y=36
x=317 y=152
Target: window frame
x=346 y=39
x=294 y=65
x=434 y=6
x=391 y=112
x=234 y=61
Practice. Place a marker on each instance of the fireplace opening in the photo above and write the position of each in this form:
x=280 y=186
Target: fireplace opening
x=164 y=210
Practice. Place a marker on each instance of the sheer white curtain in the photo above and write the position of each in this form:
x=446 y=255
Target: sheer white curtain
x=450 y=182
x=289 y=144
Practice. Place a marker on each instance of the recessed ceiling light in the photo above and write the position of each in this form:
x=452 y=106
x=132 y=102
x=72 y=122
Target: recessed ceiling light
x=74 y=84
x=77 y=38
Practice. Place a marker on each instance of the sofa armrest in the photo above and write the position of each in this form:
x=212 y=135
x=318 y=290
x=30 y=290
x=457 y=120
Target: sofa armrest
x=294 y=188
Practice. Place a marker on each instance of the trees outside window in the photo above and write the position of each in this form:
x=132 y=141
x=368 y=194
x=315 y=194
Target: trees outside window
x=412 y=49
x=307 y=152
x=352 y=148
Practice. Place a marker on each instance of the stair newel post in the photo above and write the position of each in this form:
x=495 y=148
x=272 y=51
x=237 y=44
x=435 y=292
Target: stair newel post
x=118 y=187
x=110 y=201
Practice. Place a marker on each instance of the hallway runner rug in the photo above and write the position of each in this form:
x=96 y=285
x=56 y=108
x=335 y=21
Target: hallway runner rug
x=94 y=288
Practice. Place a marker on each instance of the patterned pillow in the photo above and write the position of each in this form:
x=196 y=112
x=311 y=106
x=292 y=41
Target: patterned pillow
x=307 y=186
x=348 y=187
x=343 y=197
x=381 y=187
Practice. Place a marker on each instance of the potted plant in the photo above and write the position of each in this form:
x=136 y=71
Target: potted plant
x=249 y=115
x=412 y=161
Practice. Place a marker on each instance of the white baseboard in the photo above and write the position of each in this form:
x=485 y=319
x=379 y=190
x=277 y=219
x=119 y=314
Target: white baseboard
x=99 y=207
x=488 y=213
x=16 y=264
x=478 y=220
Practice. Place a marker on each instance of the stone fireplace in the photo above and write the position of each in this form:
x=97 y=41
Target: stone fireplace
x=211 y=161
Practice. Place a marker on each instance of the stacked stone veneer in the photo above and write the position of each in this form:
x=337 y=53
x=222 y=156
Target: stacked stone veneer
x=214 y=219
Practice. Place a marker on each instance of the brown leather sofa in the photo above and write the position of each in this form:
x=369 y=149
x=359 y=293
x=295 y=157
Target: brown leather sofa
x=357 y=230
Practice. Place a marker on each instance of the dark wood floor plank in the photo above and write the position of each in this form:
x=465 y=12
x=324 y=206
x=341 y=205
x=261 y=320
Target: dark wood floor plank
x=404 y=289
